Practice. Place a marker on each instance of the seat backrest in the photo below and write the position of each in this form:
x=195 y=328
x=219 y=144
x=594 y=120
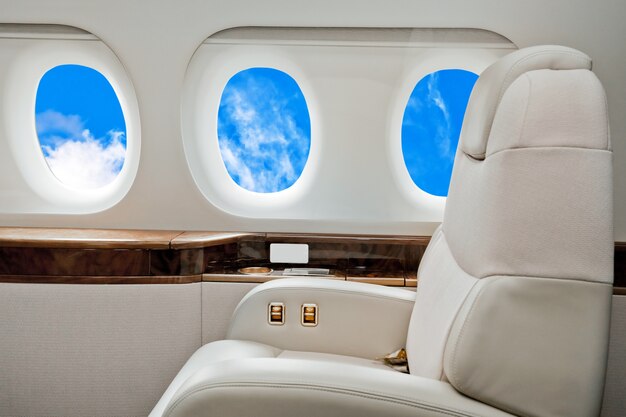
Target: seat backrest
x=515 y=287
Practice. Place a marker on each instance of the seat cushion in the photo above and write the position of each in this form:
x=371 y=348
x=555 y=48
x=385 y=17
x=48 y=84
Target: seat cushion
x=307 y=385
x=225 y=350
x=222 y=350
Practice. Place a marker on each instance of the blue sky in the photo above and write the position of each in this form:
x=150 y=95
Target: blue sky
x=263 y=129
x=80 y=126
x=431 y=126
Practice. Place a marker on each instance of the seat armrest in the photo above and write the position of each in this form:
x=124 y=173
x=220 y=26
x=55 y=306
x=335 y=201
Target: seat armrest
x=270 y=387
x=354 y=319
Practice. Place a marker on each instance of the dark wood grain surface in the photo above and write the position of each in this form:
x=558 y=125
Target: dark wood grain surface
x=96 y=256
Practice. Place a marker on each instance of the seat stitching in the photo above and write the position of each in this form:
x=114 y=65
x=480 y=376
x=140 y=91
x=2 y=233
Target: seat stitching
x=521 y=148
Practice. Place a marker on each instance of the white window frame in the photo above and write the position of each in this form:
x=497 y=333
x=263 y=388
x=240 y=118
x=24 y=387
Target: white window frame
x=22 y=81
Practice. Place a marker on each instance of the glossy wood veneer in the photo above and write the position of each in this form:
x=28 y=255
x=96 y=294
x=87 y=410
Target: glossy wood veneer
x=86 y=238
x=347 y=239
x=192 y=240
x=73 y=262
x=258 y=279
x=177 y=262
x=144 y=256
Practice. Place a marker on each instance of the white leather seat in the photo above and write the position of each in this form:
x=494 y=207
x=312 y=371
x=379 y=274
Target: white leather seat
x=512 y=309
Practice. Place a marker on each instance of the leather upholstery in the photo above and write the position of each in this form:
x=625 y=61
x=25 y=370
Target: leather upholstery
x=437 y=304
x=528 y=228
x=355 y=319
x=299 y=384
x=222 y=350
x=512 y=307
x=495 y=81
x=532 y=346
x=574 y=101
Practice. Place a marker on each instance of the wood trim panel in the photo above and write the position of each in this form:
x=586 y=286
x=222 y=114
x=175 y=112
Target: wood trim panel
x=192 y=240
x=32 y=237
x=619 y=291
x=252 y=279
x=347 y=239
x=382 y=280
x=97 y=256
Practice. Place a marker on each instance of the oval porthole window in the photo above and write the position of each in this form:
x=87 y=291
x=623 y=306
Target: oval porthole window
x=263 y=130
x=80 y=126
x=431 y=126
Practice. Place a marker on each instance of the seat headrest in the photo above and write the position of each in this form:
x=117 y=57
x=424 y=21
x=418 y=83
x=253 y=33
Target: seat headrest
x=494 y=81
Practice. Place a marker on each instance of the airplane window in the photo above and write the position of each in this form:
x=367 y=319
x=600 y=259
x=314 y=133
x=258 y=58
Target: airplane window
x=264 y=129
x=431 y=126
x=80 y=125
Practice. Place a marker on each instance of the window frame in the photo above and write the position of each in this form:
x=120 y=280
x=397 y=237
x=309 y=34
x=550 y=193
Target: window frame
x=201 y=95
x=23 y=78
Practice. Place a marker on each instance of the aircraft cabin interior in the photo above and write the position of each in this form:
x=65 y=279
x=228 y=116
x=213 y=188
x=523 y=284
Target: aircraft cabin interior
x=312 y=208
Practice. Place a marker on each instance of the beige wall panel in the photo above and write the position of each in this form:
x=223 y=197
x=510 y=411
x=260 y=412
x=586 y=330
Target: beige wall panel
x=83 y=350
x=614 y=403
x=219 y=300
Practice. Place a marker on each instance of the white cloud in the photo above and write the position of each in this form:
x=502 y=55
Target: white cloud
x=51 y=121
x=434 y=95
x=243 y=112
x=87 y=163
x=75 y=156
x=444 y=130
x=235 y=164
x=286 y=167
x=415 y=103
x=251 y=174
x=270 y=141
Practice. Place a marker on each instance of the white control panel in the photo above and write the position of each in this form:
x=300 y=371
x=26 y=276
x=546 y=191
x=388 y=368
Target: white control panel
x=289 y=253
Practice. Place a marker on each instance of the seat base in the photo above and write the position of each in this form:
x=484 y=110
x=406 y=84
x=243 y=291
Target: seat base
x=232 y=378
x=226 y=350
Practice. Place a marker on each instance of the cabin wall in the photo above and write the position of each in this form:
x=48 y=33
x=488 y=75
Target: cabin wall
x=93 y=350
x=103 y=350
x=219 y=300
x=155 y=40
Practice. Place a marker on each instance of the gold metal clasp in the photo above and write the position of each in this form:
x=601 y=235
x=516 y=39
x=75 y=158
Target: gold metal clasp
x=397 y=360
x=276 y=314
x=309 y=315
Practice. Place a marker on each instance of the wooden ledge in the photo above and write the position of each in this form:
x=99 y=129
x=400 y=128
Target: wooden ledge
x=193 y=240
x=70 y=238
x=109 y=256
x=29 y=237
